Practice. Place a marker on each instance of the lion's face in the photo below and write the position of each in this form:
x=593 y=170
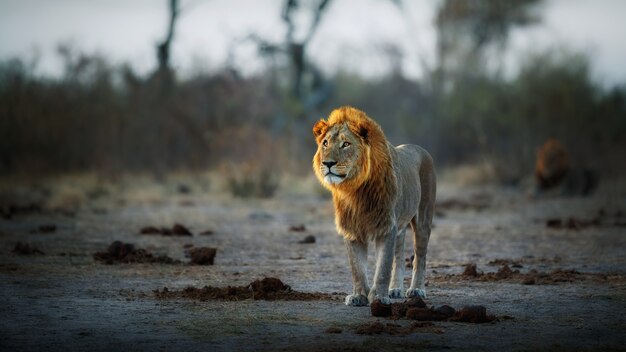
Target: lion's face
x=338 y=155
x=552 y=162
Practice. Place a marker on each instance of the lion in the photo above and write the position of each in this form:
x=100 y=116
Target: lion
x=377 y=190
x=552 y=164
x=555 y=174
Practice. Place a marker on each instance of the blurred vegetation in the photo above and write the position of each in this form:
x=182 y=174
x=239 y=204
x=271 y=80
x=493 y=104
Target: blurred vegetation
x=106 y=118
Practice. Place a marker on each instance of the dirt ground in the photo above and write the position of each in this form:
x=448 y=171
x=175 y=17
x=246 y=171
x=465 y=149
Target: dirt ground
x=65 y=300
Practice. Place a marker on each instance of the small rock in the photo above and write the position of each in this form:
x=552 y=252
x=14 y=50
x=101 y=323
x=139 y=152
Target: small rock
x=416 y=302
x=202 y=255
x=149 y=230
x=308 y=239
x=206 y=233
x=473 y=314
x=445 y=310
x=419 y=313
x=334 y=330
x=297 y=228
x=379 y=309
x=554 y=223
x=470 y=270
x=180 y=230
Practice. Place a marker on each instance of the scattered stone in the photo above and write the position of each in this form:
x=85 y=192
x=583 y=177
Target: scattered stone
x=379 y=309
x=573 y=223
x=308 y=239
x=333 y=330
x=554 y=223
x=473 y=314
x=297 y=228
x=120 y=252
x=149 y=230
x=176 y=230
x=22 y=248
x=470 y=270
x=445 y=310
x=180 y=230
x=202 y=255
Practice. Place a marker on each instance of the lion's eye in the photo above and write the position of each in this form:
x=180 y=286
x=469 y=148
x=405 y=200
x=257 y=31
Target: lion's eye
x=325 y=143
x=345 y=144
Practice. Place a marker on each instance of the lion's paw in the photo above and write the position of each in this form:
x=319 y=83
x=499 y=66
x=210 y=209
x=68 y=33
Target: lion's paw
x=356 y=300
x=384 y=299
x=396 y=293
x=415 y=292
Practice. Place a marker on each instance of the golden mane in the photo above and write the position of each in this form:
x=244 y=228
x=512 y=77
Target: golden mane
x=552 y=163
x=364 y=204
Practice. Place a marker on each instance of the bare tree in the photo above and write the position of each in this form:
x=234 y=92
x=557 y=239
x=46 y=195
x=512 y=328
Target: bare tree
x=164 y=70
x=466 y=29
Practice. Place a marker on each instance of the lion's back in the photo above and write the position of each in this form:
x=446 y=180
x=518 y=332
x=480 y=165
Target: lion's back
x=413 y=165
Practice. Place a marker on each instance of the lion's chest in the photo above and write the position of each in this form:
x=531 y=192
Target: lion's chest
x=363 y=217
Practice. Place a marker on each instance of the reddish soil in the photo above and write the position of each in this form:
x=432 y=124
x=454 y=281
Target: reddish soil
x=269 y=289
x=120 y=252
x=202 y=255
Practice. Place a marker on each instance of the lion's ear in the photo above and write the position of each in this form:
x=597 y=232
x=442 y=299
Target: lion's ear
x=319 y=128
x=363 y=130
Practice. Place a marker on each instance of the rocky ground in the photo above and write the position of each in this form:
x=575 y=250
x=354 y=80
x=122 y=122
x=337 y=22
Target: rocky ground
x=552 y=270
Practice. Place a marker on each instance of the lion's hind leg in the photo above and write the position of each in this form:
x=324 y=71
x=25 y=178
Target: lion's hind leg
x=421 y=235
x=396 y=289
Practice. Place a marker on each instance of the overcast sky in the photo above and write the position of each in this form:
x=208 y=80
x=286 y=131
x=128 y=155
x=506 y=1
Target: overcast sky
x=351 y=35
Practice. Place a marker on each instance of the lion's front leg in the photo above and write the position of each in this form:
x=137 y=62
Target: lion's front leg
x=385 y=246
x=357 y=255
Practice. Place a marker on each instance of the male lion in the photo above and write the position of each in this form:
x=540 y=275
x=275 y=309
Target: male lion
x=555 y=174
x=378 y=190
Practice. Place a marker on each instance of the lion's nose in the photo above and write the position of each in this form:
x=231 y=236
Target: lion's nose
x=329 y=164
